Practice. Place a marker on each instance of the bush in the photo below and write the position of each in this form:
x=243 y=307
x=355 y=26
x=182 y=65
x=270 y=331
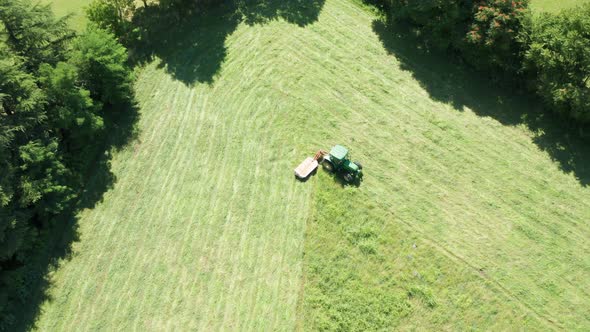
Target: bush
x=102 y=64
x=112 y=15
x=559 y=61
x=484 y=32
x=441 y=22
x=492 y=40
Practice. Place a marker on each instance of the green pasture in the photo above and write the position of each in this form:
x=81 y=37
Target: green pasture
x=472 y=215
x=554 y=5
x=75 y=8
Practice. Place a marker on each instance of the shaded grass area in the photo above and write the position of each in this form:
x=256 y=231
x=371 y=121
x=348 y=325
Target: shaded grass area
x=448 y=82
x=196 y=57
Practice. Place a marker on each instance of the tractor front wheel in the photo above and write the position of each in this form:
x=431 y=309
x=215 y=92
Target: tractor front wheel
x=348 y=178
x=359 y=165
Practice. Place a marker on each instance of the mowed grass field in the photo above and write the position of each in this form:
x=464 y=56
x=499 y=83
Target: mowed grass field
x=75 y=8
x=464 y=220
x=554 y=5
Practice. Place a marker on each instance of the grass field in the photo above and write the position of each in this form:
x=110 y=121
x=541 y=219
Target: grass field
x=473 y=213
x=554 y=5
x=75 y=8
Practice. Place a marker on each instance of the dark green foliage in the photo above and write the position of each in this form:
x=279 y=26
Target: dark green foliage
x=559 y=59
x=188 y=4
x=484 y=32
x=23 y=181
x=54 y=93
x=70 y=107
x=441 y=22
x=20 y=97
x=102 y=63
x=181 y=9
x=112 y=15
x=73 y=113
x=32 y=31
x=42 y=183
x=492 y=40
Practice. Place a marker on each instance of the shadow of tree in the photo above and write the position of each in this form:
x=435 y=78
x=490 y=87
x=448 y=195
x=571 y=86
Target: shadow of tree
x=192 y=49
x=55 y=241
x=300 y=12
x=450 y=82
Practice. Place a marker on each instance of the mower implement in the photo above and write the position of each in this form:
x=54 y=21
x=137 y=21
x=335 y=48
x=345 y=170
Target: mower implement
x=309 y=165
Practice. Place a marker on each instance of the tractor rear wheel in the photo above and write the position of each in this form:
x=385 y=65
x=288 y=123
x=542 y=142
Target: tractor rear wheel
x=328 y=166
x=360 y=166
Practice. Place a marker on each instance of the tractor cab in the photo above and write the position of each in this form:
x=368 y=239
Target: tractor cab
x=338 y=154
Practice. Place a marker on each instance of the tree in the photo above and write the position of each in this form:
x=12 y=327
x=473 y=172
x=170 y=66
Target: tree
x=43 y=178
x=102 y=65
x=21 y=105
x=71 y=113
x=21 y=113
x=492 y=41
x=559 y=59
x=32 y=32
x=441 y=22
x=112 y=15
x=183 y=8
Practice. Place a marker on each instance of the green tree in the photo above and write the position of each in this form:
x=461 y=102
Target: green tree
x=71 y=113
x=492 y=41
x=112 y=15
x=54 y=92
x=441 y=22
x=43 y=178
x=102 y=66
x=559 y=59
x=21 y=113
x=183 y=8
x=33 y=32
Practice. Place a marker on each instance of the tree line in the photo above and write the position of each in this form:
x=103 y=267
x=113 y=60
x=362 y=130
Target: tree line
x=58 y=90
x=549 y=54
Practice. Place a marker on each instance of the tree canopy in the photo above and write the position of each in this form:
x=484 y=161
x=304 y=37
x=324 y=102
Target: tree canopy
x=55 y=89
x=559 y=57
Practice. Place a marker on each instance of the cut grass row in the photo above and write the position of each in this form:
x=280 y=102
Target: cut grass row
x=462 y=221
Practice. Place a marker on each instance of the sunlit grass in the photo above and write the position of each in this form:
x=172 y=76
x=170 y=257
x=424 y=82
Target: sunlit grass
x=554 y=5
x=462 y=222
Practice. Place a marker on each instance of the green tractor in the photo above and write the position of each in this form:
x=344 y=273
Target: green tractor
x=337 y=162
